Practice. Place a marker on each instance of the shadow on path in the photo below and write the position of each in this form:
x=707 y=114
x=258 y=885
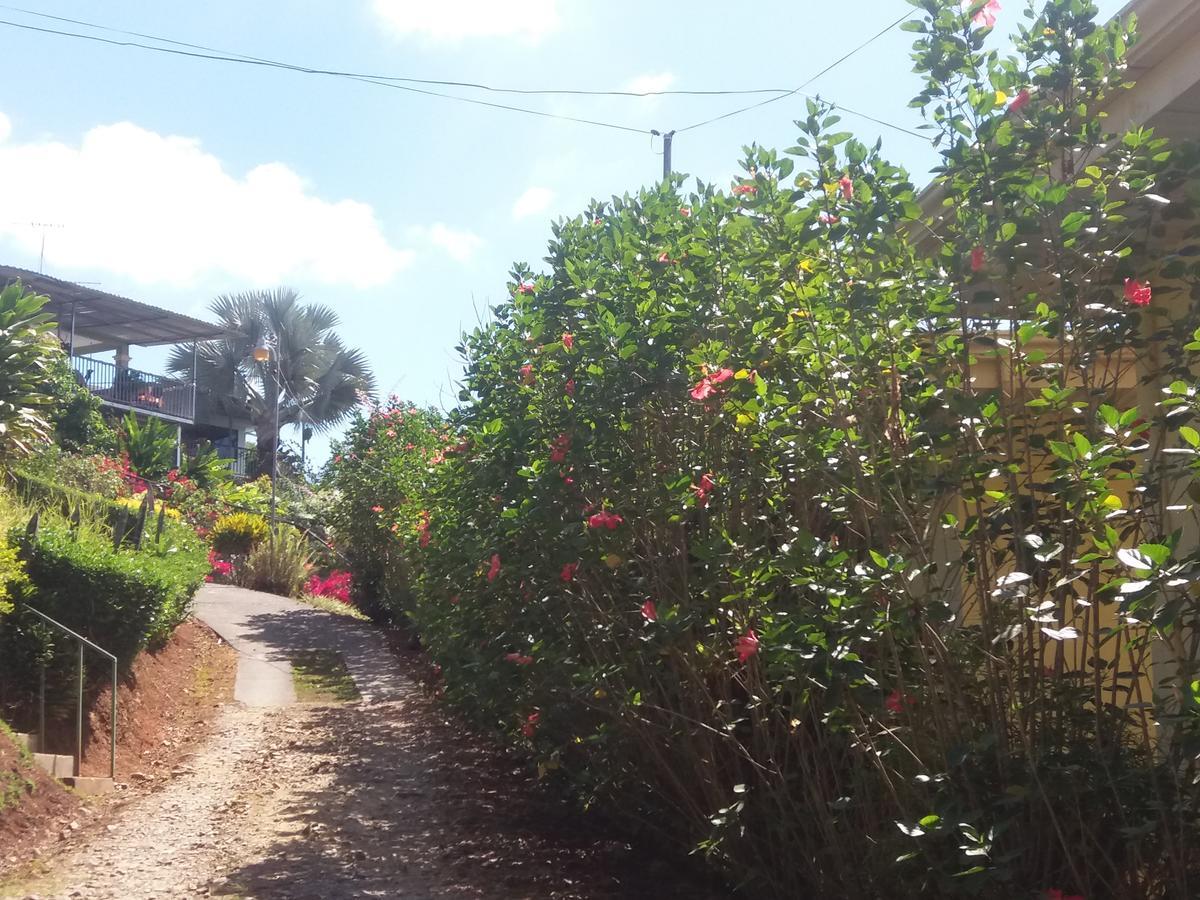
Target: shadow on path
x=394 y=800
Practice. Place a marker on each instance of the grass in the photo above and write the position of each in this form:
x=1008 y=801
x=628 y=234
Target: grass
x=337 y=607
x=321 y=676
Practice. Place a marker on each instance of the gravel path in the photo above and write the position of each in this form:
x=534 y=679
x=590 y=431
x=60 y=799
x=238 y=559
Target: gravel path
x=379 y=798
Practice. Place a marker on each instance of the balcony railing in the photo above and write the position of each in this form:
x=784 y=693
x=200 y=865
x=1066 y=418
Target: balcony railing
x=168 y=398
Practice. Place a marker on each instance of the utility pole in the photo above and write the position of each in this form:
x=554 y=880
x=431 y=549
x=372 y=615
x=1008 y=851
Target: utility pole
x=667 y=137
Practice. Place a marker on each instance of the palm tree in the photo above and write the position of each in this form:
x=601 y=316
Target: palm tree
x=322 y=380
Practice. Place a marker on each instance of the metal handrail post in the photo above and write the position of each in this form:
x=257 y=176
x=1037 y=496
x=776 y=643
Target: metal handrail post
x=79 y=720
x=112 y=753
x=42 y=708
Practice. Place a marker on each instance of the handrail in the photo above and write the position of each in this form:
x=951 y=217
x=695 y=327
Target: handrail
x=112 y=753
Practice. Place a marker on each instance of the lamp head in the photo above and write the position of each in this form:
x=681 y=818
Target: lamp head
x=262 y=353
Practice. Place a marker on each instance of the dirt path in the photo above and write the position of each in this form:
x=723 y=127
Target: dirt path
x=383 y=798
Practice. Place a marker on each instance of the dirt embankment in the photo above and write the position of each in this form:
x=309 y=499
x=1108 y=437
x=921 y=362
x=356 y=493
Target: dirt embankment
x=166 y=704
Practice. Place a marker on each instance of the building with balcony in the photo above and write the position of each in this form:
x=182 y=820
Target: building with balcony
x=92 y=324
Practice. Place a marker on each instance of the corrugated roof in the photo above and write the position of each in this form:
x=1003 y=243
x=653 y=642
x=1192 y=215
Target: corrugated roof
x=105 y=321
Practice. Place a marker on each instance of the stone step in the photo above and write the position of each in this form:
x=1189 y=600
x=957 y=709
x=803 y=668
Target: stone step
x=28 y=741
x=55 y=765
x=89 y=786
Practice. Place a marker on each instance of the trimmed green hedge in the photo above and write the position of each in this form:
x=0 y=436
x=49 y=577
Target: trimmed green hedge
x=121 y=600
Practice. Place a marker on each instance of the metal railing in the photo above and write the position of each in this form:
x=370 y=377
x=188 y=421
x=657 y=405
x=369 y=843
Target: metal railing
x=112 y=753
x=173 y=398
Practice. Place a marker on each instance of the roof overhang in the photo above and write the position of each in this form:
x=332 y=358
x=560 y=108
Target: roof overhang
x=100 y=321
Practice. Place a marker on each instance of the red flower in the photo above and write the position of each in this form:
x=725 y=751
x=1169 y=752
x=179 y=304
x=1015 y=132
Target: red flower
x=985 y=16
x=1020 y=101
x=828 y=218
x=525 y=287
x=747 y=645
x=847 y=187
x=527 y=374
x=665 y=257
x=721 y=376
x=977 y=259
x=376 y=509
x=1138 y=293
x=529 y=728
x=703 y=489
x=685 y=211
x=558 y=451
x=650 y=611
x=494 y=568
x=743 y=189
x=569 y=387
x=519 y=659
x=568 y=571
x=1056 y=894
x=706 y=387
x=605 y=519
x=897 y=700
x=568 y=340
x=703 y=390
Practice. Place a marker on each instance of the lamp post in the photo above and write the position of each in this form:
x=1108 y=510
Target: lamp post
x=262 y=354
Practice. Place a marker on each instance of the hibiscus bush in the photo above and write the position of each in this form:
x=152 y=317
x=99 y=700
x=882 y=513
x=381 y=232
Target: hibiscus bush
x=839 y=531
x=376 y=481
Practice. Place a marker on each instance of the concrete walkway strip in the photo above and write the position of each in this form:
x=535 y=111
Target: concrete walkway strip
x=265 y=629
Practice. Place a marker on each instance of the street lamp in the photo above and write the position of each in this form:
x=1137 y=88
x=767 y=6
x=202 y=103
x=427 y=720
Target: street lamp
x=262 y=354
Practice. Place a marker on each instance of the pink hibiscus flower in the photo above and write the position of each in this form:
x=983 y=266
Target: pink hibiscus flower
x=494 y=568
x=605 y=519
x=650 y=611
x=747 y=645
x=1139 y=293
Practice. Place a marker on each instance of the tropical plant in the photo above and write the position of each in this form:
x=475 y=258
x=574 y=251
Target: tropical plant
x=29 y=349
x=149 y=446
x=203 y=466
x=238 y=533
x=311 y=376
x=279 y=564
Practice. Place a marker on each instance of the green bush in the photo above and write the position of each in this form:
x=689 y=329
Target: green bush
x=123 y=600
x=75 y=415
x=238 y=533
x=279 y=565
x=376 y=479
x=835 y=541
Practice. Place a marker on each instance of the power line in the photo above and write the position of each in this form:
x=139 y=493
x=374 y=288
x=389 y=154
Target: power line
x=798 y=90
x=251 y=61
x=399 y=78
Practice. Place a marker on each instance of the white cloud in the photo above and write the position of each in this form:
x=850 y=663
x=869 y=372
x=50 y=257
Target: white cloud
x=159 y=209
x=5 y=127
x=453 y=20
x=533 y=201
x=459 y=245
x=650 y=82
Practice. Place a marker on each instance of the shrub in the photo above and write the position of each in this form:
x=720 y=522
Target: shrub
x=238 y=533
x=376 y=477
x=95 y=474
x=840 y=552
x=279 y=565
x=123 y=600
x=79 y=426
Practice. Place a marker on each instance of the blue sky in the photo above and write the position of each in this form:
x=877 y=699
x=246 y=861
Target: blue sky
x=171 y=180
